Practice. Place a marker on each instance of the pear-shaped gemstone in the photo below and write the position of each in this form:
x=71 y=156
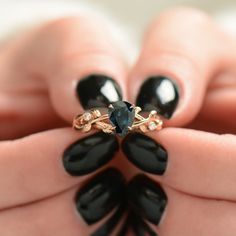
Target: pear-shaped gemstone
x=121 y=115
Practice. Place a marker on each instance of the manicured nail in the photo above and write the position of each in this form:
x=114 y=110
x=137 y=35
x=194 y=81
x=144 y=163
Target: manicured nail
x=99 y=196
x=98 y=91
x=158 y=93
x=146 y=198
x=145 y=153
x=90 y=153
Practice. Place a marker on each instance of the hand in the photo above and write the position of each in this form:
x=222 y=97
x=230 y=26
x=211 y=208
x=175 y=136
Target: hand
x=39 y=74
x=195 y=169
x=38 y=194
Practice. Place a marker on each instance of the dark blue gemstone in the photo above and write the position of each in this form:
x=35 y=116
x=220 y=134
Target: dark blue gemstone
x=121 y=115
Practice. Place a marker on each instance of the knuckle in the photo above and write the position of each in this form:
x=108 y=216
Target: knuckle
x=186 y=15
x=191 y=22
x=55 y=39
x=73 y=25
x=72 y=36
x=65 y=23
x=61 y=30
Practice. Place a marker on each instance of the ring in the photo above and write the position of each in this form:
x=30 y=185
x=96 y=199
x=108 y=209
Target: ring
x=121 y=118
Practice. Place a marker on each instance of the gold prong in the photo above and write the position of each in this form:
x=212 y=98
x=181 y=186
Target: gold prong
x=137 y=109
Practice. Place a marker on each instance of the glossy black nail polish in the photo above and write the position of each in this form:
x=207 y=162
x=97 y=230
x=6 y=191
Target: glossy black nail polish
x=98 y=91
x=89 y=153
x=147 y=198
x=158 y=93
x=100 y=195
x=145 y=153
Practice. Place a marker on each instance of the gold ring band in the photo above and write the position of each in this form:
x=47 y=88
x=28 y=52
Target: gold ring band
x=120 y=118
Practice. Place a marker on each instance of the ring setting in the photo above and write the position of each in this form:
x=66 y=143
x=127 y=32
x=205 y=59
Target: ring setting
x=120 y=118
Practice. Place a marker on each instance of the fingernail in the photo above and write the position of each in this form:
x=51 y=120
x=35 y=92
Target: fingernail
x=99 y=196
x=145 y=153
x=158 y=93
x=98 y=91
x=90 y=153
x=147 y=198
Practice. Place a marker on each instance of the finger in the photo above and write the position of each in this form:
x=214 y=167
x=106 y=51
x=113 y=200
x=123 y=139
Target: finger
x=52 y=59
x=82 y=210
x=47 y=163
x=83 y=69
x=218 y=110
x=23 y=113
x=178 y=58
x=191 y=161
x=25 y=107
x=176 y=213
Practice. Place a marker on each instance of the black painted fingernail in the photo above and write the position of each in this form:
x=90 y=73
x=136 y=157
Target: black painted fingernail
x=98 y=91
x=158 y=93
x=99 y=196
x=147 y=198
x=145 y=153
x=90 y=153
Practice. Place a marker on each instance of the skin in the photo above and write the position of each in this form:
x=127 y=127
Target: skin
x=37 y=93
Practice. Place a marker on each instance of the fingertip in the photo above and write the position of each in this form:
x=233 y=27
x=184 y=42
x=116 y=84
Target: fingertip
x=75 y=49
x=170 y=84
x=181 y=56
x=95 y=81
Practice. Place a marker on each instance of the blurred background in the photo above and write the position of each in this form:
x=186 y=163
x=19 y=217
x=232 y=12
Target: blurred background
x=133 y=14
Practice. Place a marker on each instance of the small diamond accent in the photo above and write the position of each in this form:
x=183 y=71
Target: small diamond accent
x=152 y=125
x=87 y=116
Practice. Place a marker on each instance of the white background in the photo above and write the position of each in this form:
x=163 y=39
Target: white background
x=133 y=14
